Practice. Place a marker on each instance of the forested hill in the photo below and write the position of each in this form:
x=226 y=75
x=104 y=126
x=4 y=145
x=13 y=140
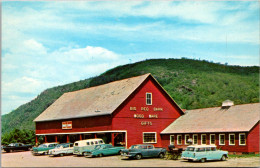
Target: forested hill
x=192 y=84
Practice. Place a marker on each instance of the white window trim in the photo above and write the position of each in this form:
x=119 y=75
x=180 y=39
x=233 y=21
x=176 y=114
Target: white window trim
x=186 y=139
x=150 y=133
x=194 y=138
x=201 y=139
x=151 y=98
x=178 y=139
x=240 y=139
x=172 y=136
x=234 y=139
x=210 y=139
x=220 y=140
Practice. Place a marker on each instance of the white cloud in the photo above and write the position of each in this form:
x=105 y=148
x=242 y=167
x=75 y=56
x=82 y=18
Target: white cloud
x=29 y=68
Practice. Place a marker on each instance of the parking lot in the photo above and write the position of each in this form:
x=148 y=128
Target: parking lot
x=26 y=159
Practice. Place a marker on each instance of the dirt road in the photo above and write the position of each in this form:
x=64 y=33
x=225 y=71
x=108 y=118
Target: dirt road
x=26 y=159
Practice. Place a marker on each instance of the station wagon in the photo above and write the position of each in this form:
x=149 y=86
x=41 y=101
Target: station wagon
x=203 y=153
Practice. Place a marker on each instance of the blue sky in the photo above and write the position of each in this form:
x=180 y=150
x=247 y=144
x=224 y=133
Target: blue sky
x=45 y=44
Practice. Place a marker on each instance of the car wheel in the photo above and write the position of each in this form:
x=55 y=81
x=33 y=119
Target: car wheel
x=61 y=154
x=138 y=156
x=203 y=160
x=11 y=150
x=223 y=158
x=7 y=151
x=161 y=155
x=100 y=155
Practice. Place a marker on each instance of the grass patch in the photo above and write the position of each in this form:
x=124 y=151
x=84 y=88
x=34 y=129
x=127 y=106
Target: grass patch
x=243 y=156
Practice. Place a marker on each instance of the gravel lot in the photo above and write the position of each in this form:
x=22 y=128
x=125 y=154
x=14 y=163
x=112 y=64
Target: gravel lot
x=26 y=159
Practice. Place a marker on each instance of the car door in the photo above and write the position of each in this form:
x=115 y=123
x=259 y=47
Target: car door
x=151 y=151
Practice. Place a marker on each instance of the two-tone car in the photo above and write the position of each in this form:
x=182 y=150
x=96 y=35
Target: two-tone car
x=103 y=150
x=203 y=153
x=87 y=144
x=62 y=149
x=43 y=149
x=142 y=151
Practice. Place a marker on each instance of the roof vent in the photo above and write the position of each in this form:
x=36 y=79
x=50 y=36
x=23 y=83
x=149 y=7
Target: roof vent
x=227 y=103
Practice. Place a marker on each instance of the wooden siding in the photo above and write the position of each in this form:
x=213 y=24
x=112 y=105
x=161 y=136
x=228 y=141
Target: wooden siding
x=253 y=139
x=100 y=123
x=123 y=118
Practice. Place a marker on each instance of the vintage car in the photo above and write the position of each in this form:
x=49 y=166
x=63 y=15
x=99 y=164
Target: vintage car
x=203 y=153
x=43 y=149
x=103 y=150
x=140 y=151
x=16 y=146
x=62 y=149
x=88 y=144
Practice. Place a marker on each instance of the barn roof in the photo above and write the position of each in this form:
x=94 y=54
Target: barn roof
x=238 y=118
x=94 y=101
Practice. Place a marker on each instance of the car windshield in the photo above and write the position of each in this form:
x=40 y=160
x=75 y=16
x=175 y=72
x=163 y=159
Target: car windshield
x=59 y=145
x=42 y=146
x=98 y=147
x=190 y=149
x=135 y=147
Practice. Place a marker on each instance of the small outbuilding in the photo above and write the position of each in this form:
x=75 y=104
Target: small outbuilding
x=234 y=128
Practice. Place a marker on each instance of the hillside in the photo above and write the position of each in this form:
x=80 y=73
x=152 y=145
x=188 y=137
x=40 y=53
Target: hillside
x=192 y=84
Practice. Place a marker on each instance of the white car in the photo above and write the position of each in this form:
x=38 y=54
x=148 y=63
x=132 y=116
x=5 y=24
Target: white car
x=62 y=149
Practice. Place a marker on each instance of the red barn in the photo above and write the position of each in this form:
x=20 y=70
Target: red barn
x=234 y=128
x=125 y=112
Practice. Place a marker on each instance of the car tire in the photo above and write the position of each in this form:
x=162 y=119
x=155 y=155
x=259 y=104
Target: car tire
x=224 y=158
x=138 y=156
x=161 y=155
x=203 y=160
x=61 y=154
x=100 y=155
x=11 y=150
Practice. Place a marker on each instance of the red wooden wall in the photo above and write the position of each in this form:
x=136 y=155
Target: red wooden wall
x=100 y=123
x=253 y=139
x=123 y=118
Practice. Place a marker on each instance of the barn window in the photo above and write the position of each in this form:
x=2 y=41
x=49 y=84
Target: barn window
x=171 y=139
x=149 y=137
x=148 y=98
x=203 y=139
x=212 y=139
x=179 y=139
x=221 y=139
x=187 y=137
x=231 y=139
x=195 y=139
x=242 y=139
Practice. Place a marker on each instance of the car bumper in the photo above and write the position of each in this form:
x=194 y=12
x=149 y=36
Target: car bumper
x=126 y=155
x=189 y=158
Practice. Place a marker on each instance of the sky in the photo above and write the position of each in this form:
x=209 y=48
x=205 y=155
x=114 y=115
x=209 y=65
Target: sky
x=51 y=43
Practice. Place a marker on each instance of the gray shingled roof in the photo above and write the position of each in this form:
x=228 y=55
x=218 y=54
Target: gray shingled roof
x=86 y=102
x=238 y=118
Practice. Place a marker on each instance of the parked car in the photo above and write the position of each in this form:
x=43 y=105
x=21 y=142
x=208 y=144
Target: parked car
x=88 y=144
x=16 y=146
x=103 y=150
x=141 y=151
x=62 y=149
x=43 y=149
x=203 y=153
